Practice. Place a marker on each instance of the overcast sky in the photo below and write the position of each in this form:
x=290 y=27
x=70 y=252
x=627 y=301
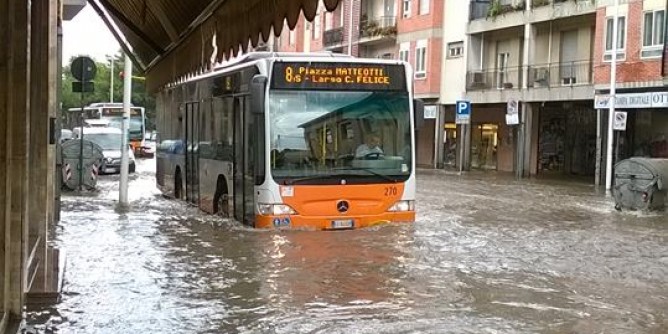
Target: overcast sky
x=87 y=34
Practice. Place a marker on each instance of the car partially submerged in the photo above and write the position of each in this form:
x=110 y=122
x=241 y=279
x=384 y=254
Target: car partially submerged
x=111 y=141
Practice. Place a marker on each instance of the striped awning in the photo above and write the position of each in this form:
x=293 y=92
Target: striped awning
x=173 y=39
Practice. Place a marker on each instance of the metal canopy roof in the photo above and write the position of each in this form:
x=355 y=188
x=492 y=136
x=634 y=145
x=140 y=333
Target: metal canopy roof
x=173 y=39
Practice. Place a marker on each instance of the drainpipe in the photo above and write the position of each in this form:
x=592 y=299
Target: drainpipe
x=350 y=28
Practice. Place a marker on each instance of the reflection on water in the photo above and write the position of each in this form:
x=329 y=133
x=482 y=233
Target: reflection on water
x=487 y=255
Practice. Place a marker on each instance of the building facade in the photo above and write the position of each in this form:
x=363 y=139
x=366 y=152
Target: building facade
x=641 y=81
x=530 y=59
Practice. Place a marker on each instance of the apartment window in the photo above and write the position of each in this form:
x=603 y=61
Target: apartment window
x=317 y=26
x=502 y=78
x=653 y=34
x=328 y=21
x=421 y=59
x=292 y=36
x=455 y=49
x=407 y=8
x=424 y=7
x=404 y=50
x=621 y=38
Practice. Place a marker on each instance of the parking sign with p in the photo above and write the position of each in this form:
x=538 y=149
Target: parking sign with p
x=463 y=112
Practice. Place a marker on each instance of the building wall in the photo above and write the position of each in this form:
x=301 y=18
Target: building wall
x=633 y=68
x=429 y=86
x=427 y=27
x=453 y=72
x=416 y=22
x=548 y=47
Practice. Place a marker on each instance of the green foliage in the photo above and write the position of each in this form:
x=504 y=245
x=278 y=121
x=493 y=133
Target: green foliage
x=494 y=9
x=101 y=94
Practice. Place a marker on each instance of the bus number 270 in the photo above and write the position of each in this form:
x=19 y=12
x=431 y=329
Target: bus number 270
x=391 y=191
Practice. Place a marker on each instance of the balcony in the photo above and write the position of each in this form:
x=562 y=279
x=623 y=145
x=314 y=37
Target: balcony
x=490 y=9
x=496 y=78
x=560 y=74
x=378 y=28
x=332 y=37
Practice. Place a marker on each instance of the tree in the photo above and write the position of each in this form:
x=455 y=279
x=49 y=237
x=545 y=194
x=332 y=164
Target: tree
x=101 y=93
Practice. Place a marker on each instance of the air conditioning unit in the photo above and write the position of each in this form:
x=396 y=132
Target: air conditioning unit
x=477 y=77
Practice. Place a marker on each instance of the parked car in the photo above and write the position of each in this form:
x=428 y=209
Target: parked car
x=148 y=145
x=65 y=134
x=111 y=141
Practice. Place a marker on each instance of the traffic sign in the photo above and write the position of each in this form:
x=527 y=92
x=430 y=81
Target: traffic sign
x=430 y=111
x=83 y=69
x=619 y=123
x=463 y=112
x=512 y=107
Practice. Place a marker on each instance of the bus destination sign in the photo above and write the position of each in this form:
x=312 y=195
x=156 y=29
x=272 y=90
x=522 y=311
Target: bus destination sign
x=338 y=76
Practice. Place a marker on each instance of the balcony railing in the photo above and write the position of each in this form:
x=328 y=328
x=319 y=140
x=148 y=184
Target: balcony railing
x=497 y=78
x=382 y=26
x=547 y=75
x=560 y=74
x=332 y=36
x=479 y=9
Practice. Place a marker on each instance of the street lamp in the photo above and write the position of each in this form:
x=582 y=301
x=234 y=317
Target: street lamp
x=111 y=79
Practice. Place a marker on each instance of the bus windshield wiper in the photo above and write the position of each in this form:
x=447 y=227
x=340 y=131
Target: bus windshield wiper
x=370 y=171
x=290 y=182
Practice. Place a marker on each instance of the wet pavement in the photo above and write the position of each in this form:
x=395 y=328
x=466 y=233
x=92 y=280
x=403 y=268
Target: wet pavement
x=488 y=254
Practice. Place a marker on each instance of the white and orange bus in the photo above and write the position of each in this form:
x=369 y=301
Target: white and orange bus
x=293 y=140
x=112 y=113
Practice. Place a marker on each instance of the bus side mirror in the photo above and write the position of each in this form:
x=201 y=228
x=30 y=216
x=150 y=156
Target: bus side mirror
x=258 y=88
x=418 y=113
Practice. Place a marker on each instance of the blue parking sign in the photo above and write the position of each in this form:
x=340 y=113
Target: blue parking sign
x=463 y=112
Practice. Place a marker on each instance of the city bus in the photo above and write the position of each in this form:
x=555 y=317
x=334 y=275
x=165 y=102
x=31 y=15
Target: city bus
x=113 y=114
x=273 y=140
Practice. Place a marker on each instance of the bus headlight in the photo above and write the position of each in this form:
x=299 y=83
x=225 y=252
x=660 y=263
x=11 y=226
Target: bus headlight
x=401 y=206
x=275 y=209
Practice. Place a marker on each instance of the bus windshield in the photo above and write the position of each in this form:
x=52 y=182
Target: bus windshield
x=135 y=130
x=325 y=137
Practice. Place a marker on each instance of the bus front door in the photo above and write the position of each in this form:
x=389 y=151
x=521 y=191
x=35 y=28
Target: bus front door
x=244 y=161
x=192 y=153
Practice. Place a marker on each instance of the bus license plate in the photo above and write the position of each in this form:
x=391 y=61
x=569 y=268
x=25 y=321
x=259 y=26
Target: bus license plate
x=343 y=223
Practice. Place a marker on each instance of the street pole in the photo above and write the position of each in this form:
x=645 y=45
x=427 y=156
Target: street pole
x=611 y=112
x=127 y=91
x=350 y=29
x=111 y=79
x=80 y=168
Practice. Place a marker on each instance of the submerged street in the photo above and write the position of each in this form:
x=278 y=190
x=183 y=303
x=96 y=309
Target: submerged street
x=488 y=254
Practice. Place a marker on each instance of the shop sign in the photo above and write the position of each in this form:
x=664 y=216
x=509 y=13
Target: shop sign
x=633 y=100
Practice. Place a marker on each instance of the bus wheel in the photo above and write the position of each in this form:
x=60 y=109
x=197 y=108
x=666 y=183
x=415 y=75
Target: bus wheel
x=221 y=199
x=177 y=184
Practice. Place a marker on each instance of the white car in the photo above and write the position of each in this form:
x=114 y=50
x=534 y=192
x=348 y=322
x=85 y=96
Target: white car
x=110 y=140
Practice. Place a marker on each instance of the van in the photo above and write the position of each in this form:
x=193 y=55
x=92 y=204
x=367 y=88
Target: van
x=110 y=140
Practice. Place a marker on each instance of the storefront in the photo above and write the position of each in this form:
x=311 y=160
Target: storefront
x=566 y=138
x=646 y=133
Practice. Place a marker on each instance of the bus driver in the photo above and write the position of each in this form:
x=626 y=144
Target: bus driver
x=372 y=146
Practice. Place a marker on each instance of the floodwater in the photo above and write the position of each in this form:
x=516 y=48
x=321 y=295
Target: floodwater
x=488 y=254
